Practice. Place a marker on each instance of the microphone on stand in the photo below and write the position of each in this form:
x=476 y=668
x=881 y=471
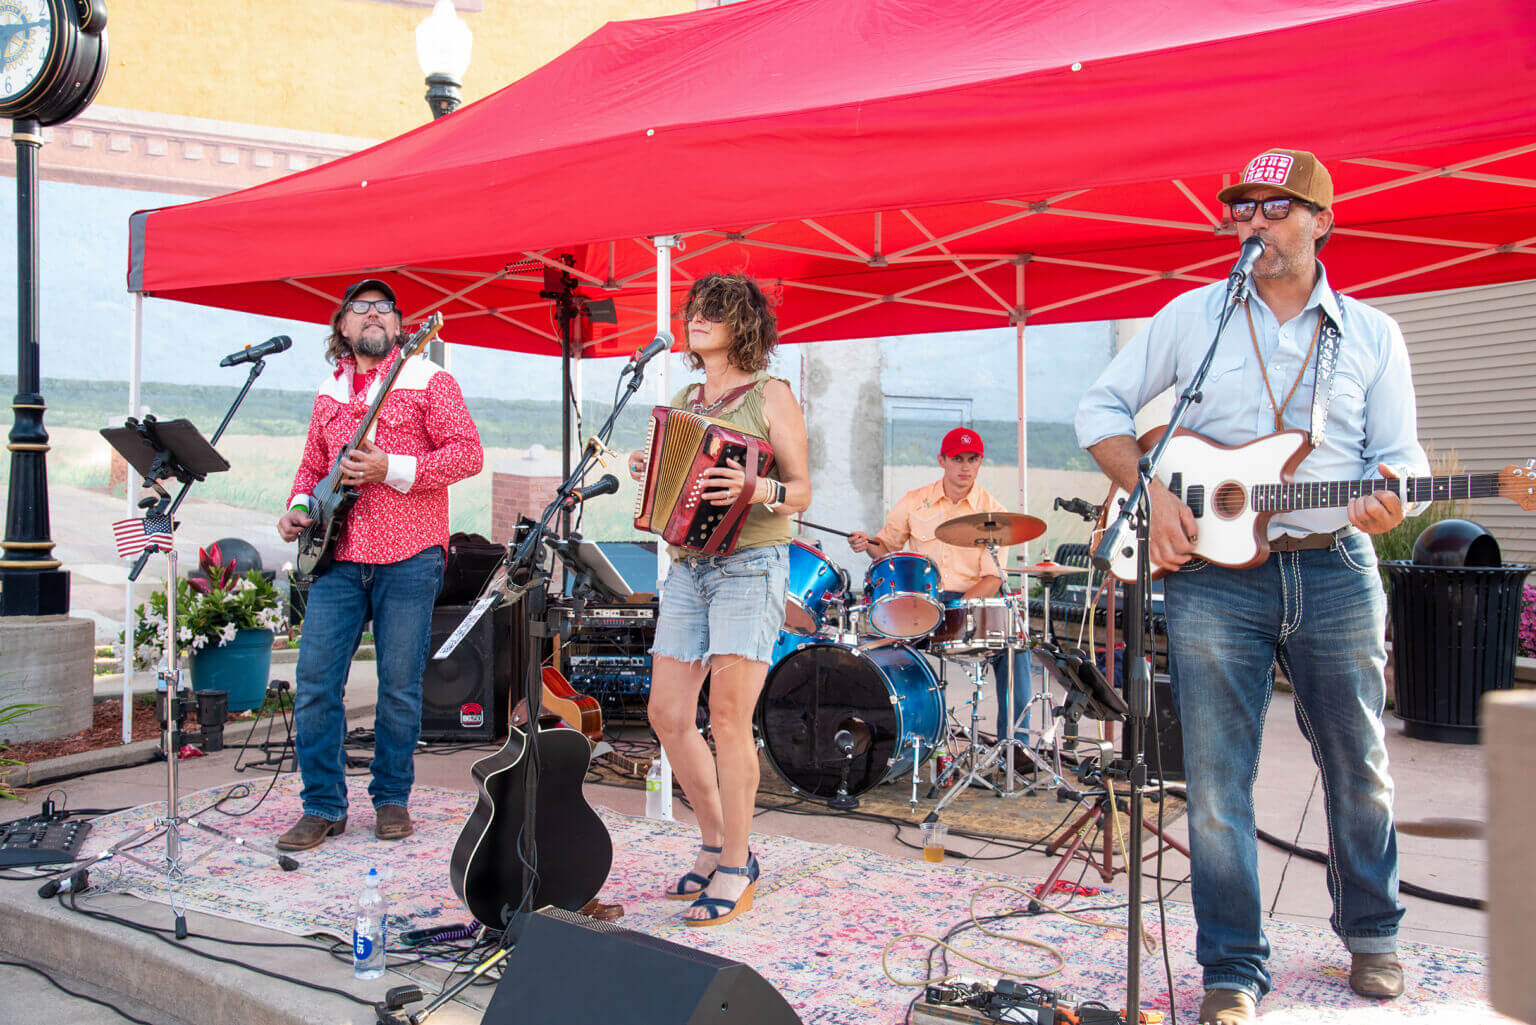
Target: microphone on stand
x=1237 y=281
x=607 y=484
x=252 y=353
x=661 y=343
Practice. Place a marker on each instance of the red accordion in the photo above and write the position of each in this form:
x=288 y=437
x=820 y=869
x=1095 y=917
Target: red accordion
x=680 y=446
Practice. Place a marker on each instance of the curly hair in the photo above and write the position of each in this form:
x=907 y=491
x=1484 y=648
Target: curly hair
x=746 y=310
x=336 y=344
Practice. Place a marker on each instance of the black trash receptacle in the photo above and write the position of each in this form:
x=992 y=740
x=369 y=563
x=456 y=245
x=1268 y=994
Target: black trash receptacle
x=1454 y=636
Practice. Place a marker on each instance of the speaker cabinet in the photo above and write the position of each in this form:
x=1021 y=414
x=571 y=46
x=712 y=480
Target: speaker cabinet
x=1169 y=732
x=463 y=697
x=578 y=971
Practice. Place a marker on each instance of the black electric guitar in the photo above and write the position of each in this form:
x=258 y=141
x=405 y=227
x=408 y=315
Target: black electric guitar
x=1234 y=491
x=573 y=848
x=331 y=500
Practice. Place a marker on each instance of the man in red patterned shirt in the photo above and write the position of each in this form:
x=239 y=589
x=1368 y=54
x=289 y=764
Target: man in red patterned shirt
x=389 y=560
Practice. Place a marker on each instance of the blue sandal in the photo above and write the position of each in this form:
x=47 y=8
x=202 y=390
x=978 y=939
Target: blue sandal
x=722 y=910
x=680 y=891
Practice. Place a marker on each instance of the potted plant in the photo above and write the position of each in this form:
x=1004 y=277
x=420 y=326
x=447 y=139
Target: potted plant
x=225 y=623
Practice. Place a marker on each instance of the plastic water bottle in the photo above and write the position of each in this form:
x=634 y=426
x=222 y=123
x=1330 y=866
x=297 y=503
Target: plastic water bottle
x=368 y=930
x=654 y=805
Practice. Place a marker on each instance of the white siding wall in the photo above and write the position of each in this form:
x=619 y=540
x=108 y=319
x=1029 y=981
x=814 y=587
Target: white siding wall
x=1472 y=351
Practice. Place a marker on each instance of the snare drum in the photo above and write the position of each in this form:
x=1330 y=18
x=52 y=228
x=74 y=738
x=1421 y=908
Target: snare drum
x=814 y=581
x=903 y=590
x=978 y=628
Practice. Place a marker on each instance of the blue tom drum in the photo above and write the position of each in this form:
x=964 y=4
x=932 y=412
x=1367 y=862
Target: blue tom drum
x=814 y=583
x=903 y=591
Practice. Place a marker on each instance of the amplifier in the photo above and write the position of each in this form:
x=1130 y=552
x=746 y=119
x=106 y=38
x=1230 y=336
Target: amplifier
x=637 y=617
x=608 y=657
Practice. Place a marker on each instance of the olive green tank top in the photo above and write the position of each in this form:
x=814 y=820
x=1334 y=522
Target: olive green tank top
x=762 y=528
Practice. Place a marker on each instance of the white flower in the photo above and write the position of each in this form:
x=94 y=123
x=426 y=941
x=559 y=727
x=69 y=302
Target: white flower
x=198 y=643
x=226 y=634
x=184 y=635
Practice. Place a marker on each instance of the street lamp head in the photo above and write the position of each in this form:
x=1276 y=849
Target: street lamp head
x=443 y=42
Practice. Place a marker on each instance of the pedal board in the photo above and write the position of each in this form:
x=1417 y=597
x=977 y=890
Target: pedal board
x=41 y=841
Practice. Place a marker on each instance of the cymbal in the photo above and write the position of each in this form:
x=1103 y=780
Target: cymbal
x=1001 y=528
x=1050 y=570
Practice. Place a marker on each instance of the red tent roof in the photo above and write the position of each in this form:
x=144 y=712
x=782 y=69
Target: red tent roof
x=906 y=165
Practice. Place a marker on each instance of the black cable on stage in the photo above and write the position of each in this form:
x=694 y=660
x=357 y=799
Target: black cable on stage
x=1411 y=889
x=56 y=984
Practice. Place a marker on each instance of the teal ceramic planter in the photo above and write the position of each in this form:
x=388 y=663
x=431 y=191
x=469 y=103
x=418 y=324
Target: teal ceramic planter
x=242 y=667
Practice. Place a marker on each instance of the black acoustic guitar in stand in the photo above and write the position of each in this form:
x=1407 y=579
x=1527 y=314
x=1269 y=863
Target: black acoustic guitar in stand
x=332 y=500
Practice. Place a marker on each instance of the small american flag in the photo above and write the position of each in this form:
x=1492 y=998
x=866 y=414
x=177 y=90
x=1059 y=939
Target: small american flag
x=135 y=535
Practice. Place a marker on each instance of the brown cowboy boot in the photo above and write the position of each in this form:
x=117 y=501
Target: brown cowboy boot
x=309 y=831
x=1227 y=1007
x=392 y=822
x=1379 y=976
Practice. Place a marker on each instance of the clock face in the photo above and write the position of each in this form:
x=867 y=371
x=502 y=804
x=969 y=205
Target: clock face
x=26 y=40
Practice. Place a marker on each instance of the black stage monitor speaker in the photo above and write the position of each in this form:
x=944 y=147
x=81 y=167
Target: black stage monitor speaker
x=1169 y=732
x=459 y=695
x=578 y=971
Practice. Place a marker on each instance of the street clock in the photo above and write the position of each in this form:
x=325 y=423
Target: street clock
x=53 y=56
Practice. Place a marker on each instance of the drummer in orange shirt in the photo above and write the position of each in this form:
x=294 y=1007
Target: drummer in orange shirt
x=963 y=572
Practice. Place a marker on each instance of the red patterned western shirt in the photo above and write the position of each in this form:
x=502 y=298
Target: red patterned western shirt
x=431 y=441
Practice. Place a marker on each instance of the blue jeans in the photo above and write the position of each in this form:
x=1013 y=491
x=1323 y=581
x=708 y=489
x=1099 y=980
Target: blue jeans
x=723 y=605
x=1321 y=614
x=398 y=597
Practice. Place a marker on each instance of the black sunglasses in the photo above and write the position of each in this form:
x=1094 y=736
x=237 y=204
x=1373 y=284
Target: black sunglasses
x=361 y=306
x=1277 y=209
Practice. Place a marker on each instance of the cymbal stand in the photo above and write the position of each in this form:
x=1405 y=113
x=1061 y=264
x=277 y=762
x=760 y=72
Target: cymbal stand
x=978 y=758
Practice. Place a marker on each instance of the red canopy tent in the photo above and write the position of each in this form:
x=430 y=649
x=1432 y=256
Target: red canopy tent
x=906 y=165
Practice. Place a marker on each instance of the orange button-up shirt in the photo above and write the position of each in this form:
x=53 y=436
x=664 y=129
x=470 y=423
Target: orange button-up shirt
x=917 y=515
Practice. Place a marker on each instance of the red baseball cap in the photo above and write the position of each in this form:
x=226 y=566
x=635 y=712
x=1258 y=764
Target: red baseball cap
x=961 y=439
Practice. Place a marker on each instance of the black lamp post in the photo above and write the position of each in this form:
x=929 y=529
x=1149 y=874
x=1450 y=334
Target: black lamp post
x=443 y=43
x=53 y=62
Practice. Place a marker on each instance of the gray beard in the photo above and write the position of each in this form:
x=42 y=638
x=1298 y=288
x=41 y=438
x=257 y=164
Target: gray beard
x=374 y=346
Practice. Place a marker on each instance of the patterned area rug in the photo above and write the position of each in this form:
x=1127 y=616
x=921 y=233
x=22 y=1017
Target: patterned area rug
x=821 y=918
x=1025 y=817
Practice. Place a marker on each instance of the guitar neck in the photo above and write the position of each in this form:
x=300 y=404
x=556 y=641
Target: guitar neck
x=1335 y=493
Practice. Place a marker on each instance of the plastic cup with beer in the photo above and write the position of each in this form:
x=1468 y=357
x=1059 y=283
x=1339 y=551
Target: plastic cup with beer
x=934 y=835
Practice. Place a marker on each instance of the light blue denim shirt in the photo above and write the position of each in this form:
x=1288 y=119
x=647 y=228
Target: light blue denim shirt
x=1371 y=418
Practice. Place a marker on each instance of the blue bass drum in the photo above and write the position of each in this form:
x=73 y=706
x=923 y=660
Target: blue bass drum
x=813 y=582
x=903 y=590
x=886 y=698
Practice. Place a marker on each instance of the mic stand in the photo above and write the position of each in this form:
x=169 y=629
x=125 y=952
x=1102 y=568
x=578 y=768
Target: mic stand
x=842 y=800
x=159 y=451
x=1136 y=514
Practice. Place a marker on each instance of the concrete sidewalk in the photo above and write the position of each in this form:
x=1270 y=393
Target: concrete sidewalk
x=1434 y=782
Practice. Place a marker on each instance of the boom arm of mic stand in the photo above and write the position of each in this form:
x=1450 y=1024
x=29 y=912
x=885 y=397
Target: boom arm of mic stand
x=250 y=379
x=1149 y=462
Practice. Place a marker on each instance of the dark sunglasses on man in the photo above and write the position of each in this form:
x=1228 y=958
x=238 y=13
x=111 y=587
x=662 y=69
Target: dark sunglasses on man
x=1276 y=209
x=361 y=306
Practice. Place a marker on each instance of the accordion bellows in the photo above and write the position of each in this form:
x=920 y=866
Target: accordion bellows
x=680 y=447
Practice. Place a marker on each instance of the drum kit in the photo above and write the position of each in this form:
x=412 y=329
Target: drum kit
x=856 y=694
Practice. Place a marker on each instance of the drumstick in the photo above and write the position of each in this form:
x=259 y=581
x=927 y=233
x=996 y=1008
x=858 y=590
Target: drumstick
x=817 y=526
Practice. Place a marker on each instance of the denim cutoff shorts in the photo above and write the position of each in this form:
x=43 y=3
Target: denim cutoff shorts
x=723 y=605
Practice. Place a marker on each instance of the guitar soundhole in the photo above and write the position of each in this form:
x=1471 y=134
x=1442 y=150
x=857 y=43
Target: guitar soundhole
x=1229 y=500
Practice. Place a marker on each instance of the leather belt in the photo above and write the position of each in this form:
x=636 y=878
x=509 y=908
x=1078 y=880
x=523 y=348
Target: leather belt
x=1309 y=542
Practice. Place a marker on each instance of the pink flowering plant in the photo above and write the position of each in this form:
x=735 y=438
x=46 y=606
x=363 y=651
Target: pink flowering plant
x=209 y=610
x=1528 y=621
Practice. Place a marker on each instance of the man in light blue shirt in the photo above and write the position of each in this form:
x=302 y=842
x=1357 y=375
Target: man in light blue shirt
x=1315 y=603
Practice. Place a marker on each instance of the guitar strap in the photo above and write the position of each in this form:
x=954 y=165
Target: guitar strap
x=1322 y=380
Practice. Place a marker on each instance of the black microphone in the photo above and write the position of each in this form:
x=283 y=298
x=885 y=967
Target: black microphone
x=843 y=741
x=1087 y=510
x=661 y=343
x=607 y=484
x=252 y=353
x=1253 y=248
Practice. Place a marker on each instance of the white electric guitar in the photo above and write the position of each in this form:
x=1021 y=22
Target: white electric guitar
x=1232 y=512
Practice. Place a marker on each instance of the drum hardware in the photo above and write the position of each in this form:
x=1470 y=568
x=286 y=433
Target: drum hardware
x=842 y=800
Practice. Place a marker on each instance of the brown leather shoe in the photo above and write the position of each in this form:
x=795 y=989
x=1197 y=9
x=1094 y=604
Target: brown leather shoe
x=392 y=822
x=309 y=831
x=1379 y=976
x=1227 y=1007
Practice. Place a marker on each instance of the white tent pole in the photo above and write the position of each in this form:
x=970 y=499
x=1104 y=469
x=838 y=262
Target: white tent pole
x=664 y=244
x=130 y=494
x=1021 y=315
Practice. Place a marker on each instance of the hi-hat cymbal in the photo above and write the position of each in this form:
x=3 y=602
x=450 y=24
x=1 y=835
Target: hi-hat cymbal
x=1001 y=528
